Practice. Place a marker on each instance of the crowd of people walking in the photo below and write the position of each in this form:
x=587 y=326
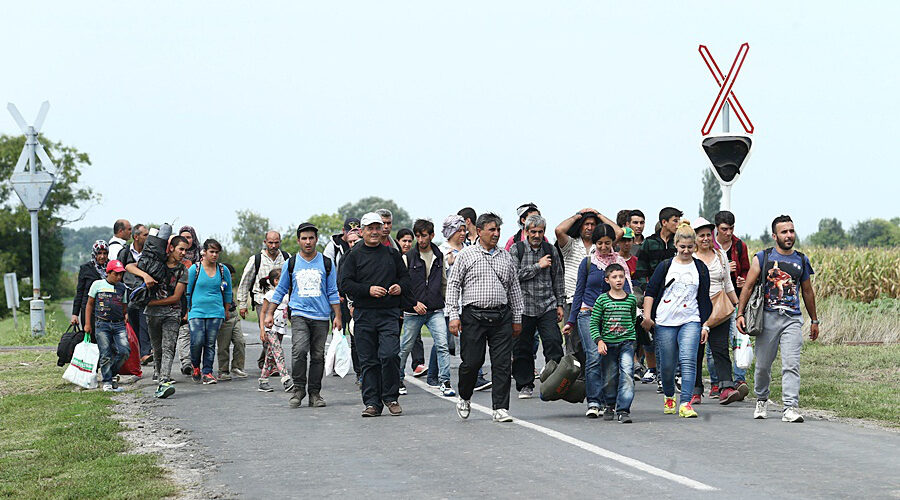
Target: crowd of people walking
x=628 y=309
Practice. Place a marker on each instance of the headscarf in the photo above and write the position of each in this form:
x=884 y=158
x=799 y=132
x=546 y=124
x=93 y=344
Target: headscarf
x=192 y=254
x=602 y=261
x=521 y=211
x=451 y=225
x=98 y=246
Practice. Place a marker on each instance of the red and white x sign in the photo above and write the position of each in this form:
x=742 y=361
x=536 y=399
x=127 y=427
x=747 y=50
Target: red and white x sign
x=725 y=84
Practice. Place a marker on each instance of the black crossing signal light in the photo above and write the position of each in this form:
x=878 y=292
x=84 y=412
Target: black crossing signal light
x=727 y=154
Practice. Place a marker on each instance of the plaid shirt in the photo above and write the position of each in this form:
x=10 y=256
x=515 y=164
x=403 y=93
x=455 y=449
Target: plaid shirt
x=543 y=289
x=249 y=282
x=484 y=279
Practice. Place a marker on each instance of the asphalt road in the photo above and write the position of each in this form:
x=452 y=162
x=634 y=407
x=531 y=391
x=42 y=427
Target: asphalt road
x=268 y=449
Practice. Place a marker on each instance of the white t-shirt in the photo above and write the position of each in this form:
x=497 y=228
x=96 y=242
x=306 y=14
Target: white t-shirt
x=279 y=322
x=572 y=254
x=679 y=301
x=719 y=274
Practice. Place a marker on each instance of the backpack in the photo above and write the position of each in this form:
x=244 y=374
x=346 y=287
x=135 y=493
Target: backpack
x=199 y=268
x=290 y=269
x=257 y=260
x=66 y=347
x=546 y=248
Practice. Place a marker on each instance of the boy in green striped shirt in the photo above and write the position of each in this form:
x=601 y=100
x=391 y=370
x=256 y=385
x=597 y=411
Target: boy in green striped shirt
x=612 y=328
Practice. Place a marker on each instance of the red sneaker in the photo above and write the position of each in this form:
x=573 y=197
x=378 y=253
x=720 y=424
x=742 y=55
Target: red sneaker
x=714 y=392
x=209 y=379
x=195 y=374
x=420 y=370
x=729 y=396
x=695 y=399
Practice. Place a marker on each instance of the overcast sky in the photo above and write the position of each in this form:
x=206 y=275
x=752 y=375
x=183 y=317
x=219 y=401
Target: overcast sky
x=197 y=109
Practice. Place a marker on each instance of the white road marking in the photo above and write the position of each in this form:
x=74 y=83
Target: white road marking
x=603 y=452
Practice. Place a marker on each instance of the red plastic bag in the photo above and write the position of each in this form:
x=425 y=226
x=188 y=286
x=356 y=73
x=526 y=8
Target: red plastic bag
x=132 y=365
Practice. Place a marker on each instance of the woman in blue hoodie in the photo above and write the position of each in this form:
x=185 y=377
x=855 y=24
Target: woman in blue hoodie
x=677 y=303
x=209 y=297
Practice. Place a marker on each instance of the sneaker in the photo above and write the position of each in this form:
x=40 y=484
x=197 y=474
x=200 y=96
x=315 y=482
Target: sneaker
x=592 y=412
x=394 y=409
x=463 y=408
x=482 y=384
x=297 y=398
x=791 y=414
x=420 y=370
x=526 y=393
x=696 y=399
x=624 y=417
x=638 y=373
x=224 y=376
x=110 y=388
x=446 y=390
x=209 y=379
x=714 y=392
x=316 y=400
x=155 y=377
x=609 y=413
x=729 y=396
x=649 y=377
x=195 y=375
x=288 y=383
x=669 y=406
x=761 y=410
x=371 y=411
x=659 y=389
x=237 y=372
x=743 y=389
x=433 y=383
x=686 y=411
x=164 y=390
x=502 y=415
x=168 y=380
x=403 y=391
x=185 y=369
x=264 y=386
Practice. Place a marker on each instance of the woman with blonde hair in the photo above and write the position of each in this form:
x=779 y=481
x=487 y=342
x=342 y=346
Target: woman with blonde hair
x=677 y=303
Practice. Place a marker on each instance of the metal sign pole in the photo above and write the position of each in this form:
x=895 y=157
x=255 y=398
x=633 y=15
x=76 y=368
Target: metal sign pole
x=726 y=189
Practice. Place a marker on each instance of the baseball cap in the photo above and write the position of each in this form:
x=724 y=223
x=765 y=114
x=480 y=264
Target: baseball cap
x=628 y=233
x=351 y=223
x=701 y=222
x=115 y=265
x=370 y=218
x=307 y=226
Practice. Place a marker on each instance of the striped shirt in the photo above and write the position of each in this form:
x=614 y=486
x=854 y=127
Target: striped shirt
x=487 y=279
x=612 y=320
x=572 y=253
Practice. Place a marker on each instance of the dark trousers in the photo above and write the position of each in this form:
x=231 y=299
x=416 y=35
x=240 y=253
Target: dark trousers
x=308 y=339
x=138 y=323
x=523 y=357
x=718 y=342
x=472 y=342
x=377 y=339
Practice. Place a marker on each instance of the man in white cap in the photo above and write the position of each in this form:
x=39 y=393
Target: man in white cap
x=374 y=277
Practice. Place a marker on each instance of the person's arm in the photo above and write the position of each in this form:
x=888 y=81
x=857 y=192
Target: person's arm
x=809 y=300
x=334 y=299
x=349 y=280
x=171 y=299
x=133 y=269
x=266 y=309
x=88 y=312
x=244 y=287
x=752 y=276
x=559 y=284
x=745 y=265
x=580 y=284
x=454 y=285
x=562 y=237
x=79 y=297
x=654 y=289
x=596 y=320
x=402 y=280
x=516 y=300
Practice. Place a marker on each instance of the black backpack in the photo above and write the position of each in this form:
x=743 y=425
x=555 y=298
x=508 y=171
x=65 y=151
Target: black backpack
x=257 y=260
x=291 y=263
x=73 y=336
x=546 y=249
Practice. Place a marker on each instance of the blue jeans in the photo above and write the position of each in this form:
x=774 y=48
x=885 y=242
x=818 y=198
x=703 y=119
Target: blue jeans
x=111 y=337
x=740 y=374
x=618 y=372
x=412 y=324
x=593 y=376
x=203 y=341
x=678 y=344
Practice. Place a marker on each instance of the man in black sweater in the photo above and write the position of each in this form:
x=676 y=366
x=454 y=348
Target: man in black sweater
x=374 y=277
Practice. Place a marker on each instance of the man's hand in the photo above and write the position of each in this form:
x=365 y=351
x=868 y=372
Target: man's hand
x=813 y=331
x=87 y=327
x=647 y=324
x=740 y=324
x=741 y=281
x=243 y=312
x=377 y=291
x=567 y=329
x=149 y=281
x=455 y=327
x=704 y=333
x=227 y=313
x=545 y=261
x=394 y=289
x=74 y=320
x=559 y=314
x=601 y=347
x=732 y=266
x=516 y=329
x=337 y=324
x=270 y=319
x=262 y=336
x=420 y=308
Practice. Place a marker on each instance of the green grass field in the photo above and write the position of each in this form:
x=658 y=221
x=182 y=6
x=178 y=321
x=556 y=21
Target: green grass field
x=57 y=443
x=56 y=320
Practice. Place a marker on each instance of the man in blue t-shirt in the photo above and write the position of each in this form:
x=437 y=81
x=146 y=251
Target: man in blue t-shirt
x=311 y=284
x=784 y=274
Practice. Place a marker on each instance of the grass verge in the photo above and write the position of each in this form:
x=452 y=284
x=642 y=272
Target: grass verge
x=57 y=443
x=56 y=323
x=851 y=381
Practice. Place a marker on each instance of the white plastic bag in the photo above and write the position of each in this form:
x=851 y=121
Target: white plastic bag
x=343 y=361
x=329 y=354
x=82 y=369
x=743 y=350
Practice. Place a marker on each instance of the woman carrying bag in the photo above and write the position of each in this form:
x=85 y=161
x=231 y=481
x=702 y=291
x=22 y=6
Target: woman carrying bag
x=88 y=273
x=723 y=298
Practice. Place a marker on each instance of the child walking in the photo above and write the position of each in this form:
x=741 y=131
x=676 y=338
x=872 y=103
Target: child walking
x=271 y=337
x=612 y=328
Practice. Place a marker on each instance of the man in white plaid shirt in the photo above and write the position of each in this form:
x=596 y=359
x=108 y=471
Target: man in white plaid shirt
x=484 y=282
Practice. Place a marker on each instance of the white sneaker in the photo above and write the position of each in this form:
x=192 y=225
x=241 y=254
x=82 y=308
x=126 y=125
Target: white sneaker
x=237 y=372
x=592 y=412
x=526 y=393
x=791 y=414
x=761 y=409
x=502 y=415
x=463 y=408
x=110 y=388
